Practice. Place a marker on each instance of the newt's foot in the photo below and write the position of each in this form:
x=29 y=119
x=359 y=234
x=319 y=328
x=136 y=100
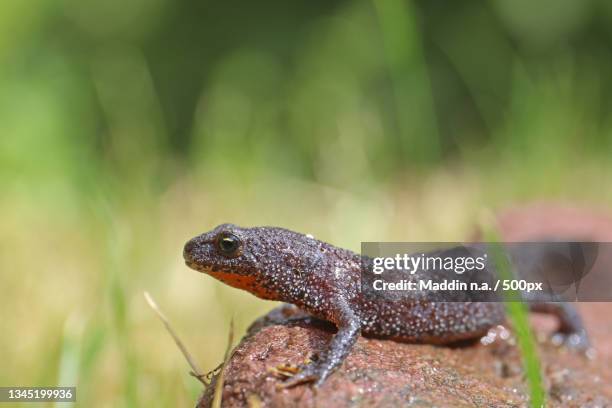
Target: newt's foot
x=578 y=341
x=312 y=373
x=309 y=372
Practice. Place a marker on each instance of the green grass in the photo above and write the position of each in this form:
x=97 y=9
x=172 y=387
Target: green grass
x=519 y=317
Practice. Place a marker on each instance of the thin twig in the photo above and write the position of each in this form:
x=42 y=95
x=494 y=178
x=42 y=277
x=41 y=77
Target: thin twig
x=195 y=369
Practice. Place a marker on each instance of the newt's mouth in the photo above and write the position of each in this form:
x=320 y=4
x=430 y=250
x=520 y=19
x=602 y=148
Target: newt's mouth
x=198 y=267
x=230 y=278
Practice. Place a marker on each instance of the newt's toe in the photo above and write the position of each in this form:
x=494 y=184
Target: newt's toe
x=578 y=341
x=302 y=377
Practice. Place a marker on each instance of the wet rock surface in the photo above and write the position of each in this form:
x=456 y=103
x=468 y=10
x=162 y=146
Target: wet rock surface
x=388 y=373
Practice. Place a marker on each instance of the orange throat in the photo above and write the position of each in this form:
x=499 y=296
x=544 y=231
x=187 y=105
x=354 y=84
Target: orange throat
x=248 y=283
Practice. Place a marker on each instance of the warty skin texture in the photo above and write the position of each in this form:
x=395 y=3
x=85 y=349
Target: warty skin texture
x=278 y=264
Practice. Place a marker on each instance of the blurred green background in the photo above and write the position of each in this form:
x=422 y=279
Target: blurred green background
x=128 y=127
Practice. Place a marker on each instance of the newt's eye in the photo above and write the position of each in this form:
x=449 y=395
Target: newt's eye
x=228 y=244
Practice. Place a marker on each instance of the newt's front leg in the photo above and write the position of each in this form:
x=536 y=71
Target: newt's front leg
x=349 y=328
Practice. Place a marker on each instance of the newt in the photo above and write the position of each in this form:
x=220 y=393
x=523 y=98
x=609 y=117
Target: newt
x=324 y=280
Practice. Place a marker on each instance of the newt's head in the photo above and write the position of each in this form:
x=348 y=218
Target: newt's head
x=254 y=259
x=226 y=254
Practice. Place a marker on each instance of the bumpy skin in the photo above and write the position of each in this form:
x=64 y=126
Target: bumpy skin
x=278 y=264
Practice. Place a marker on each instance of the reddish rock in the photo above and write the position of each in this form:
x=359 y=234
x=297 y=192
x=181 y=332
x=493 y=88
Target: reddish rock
x=387 y=373
x=546 y=220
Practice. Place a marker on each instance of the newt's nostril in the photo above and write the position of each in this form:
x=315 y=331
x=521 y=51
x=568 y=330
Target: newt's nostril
x=188 y=250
